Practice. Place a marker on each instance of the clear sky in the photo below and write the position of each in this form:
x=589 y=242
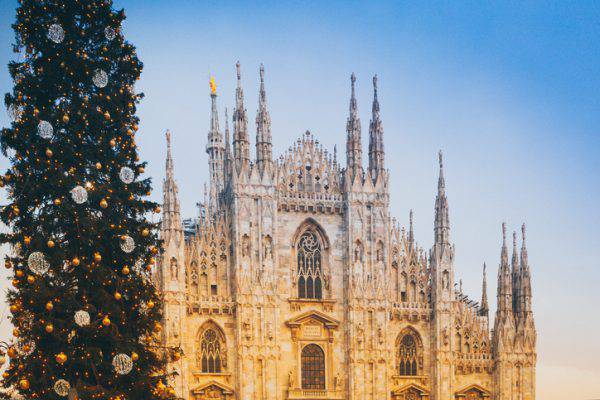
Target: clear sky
x=510 y=91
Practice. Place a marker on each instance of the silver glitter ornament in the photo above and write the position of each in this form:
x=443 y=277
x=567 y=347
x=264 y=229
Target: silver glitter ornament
x=82 y=318
x=79 y=194
x=61 y=387
x=15 y=112
x=37 y=263
x=127 y=244
x=126 y=174
x=56 y=33
x=122 y=364
x=45 y=129
x=100 y=78
x=109 y=33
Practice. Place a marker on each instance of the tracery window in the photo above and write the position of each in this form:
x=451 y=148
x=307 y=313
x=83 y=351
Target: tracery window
x=310 y=273
x=313 y=367
x=407 y=355
x=212 y=352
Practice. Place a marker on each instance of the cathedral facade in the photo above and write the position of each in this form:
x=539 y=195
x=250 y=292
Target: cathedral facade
x=296 y=283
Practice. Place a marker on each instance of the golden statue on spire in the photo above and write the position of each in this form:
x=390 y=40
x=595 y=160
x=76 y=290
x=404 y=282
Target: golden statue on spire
x=213 y=85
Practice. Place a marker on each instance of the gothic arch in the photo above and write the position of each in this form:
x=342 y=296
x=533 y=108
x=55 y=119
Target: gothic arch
x=311 y=224
x=211 y=351
x=409 y=352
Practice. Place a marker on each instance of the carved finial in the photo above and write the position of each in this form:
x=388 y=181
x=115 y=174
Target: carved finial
x=515 y=241
x=239 y=74
x=168 y=135
x=523 y=233
x=262 y=73
x=504 y=233
x=441 y=159
x=411 y=233
x=352 y=81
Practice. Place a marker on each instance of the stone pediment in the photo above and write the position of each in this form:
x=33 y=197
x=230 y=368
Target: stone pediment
x=313 y=315
x=408 y=387
x=465 y=391
x=213 y=385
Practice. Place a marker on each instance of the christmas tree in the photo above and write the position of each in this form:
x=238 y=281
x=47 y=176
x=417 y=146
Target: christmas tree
x=85 y=312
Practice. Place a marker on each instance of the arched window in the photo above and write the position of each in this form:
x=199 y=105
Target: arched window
x=407 y=356
x=212 y=355
x=313 y=367
x=310 y=274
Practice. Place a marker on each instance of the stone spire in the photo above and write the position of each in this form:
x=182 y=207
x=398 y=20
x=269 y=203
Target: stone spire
x=411 y=229
x=516 y=276
x=171 y=219
x=376 y=149
x=241 y=143
x=215 y=149
x=484 y=309
x=353 y=139
x=505 y=302
x=525 y=278
x=264 y=146
x=442 y=218
x=228 y=156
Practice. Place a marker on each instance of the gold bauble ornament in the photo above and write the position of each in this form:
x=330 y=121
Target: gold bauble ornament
x=15 y=282
x=76 y=261
x=57 y=202
x=113 y=142
x=125 y=270
x=157 y=327
x=49 y=153
x=49 y=328
x=50 y=243
x=134 y=356
x=98 y=166
x=12 y=352
x=157 y=209
x=150 y=304
x=141 y=170
x=103 y=203
x=65 y=118
x=27 y=240
x=61 y=358
x=97 y=257
x=24 y=384
x=118 y=296
x=49 y=306
x=30 y=279
x=107 y=115
x=15 y=332
x=145 y=232
x=106 y=321
x=19 y=273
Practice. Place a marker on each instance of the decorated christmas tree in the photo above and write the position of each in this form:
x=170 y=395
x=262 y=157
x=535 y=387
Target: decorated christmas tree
x=84 y=310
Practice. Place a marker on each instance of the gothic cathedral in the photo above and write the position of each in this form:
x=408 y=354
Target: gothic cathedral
x=295 y=283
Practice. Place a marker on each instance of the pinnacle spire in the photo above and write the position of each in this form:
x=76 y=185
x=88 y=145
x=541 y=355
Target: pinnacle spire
x=228 y=156
x=241 y=143
x=442 y=218
x=376 y=148
x=411 y=231
x=484 y=309
x=215 y=149
x=353 y=139
x=264 y=152
x=505 y=297
x=171 y=221
x=524 y=277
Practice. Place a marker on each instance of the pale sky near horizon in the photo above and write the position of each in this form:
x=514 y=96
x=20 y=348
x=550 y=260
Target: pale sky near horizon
x=510 y=91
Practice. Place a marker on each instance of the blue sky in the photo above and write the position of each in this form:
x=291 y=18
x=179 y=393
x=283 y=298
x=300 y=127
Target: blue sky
x=508 y=90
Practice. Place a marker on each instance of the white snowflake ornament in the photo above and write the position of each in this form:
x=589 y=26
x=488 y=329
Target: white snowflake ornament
x=37 y=263
x=45 y=130
x=122 y=364
x=127 y=244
